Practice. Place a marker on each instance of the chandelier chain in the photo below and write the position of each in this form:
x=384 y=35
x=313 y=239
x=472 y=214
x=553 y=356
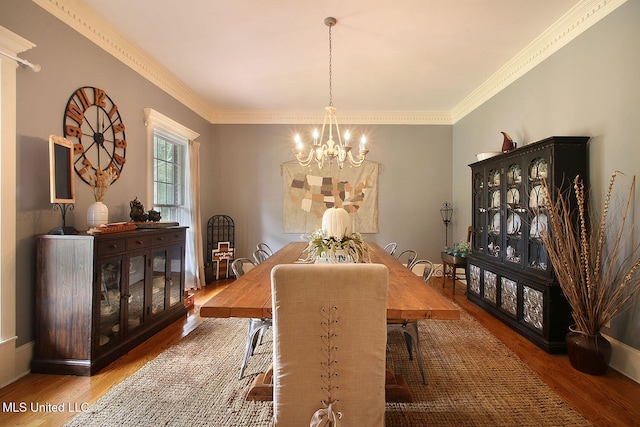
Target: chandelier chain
x=330 y=75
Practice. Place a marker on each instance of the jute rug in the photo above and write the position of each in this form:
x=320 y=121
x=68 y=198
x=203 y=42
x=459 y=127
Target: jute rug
x=474 y=380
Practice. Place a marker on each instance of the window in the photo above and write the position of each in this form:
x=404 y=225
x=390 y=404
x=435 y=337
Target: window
x=169 y=175
x=170 y=187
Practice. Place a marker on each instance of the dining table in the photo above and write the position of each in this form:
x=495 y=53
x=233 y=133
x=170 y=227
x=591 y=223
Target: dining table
x=409 y=298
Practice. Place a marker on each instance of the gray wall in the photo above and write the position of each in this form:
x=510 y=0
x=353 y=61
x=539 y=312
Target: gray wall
x=589 y=87
x=244 y=181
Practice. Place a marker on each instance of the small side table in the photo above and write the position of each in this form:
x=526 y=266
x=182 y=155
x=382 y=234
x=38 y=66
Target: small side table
x=453 y=263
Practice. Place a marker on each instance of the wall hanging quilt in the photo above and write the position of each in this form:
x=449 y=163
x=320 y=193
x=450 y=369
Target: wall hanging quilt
x=309 y=191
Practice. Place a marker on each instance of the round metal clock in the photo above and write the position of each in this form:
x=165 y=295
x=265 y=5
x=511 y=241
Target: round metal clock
x=92 y=122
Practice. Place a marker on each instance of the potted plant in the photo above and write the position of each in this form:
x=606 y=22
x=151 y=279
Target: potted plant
x=459 y=249
x=596 y=266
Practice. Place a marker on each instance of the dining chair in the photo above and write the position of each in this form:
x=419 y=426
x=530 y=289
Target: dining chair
x=329 y=354
x=264 y=247
x=257 y=326
x=424 y=268
x=239 y=266
x=407 y=257
x=390 y=248
x=260 y=255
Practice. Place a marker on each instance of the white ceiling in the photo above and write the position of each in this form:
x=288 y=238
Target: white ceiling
x=388 y=56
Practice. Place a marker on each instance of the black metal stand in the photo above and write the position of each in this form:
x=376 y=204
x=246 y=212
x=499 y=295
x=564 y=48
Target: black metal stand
x=446 y=212
x=64 y=207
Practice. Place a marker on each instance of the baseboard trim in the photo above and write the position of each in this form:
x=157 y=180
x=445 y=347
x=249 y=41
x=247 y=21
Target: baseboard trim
x=21 y=361
x=625 y=359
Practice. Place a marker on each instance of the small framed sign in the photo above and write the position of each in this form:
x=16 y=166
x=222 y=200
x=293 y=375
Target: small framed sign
x=61 y=171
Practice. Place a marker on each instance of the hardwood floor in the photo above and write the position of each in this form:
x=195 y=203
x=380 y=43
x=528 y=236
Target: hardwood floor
x=609 y=400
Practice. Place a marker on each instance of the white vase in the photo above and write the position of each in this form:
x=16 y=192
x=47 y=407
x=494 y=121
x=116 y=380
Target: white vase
x=97 y=214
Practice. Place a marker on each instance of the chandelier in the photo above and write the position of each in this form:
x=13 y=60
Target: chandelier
x=331 y=149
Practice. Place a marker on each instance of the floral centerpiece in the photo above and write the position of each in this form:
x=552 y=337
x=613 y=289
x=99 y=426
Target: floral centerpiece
x=597 y=266
x=335 y=240
x=460 y=249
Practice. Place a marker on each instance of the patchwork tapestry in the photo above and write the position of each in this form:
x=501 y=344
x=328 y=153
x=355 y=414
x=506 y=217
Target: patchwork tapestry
x=309 y=191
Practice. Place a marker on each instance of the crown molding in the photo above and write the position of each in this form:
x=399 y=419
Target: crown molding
x=573 y=23
x=84 y=20
x=346 y=117
x=12 y=43
x=81 y=18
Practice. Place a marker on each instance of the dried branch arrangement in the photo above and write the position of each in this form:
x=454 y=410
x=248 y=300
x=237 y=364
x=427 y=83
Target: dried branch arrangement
x=101 y=181
x=595 y=260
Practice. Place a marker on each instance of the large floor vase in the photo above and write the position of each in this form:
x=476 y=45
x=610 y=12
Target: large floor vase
x=588 y=353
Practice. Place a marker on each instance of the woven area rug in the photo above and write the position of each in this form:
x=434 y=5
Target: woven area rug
x=474 y=380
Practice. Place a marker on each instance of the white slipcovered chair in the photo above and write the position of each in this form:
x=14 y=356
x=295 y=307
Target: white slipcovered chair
x=330 y=335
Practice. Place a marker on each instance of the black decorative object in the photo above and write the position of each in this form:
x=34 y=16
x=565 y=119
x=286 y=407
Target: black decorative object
x=64 y=208
x=137 y=213
x=446 y=211
x=154 y=215
x=220 y=228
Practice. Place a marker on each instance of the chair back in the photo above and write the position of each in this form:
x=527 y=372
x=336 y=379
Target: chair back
x=330 y=334
x=424 y=268
x=241 y=266
x=259 y=255
x=391 y=248
x=264 y=247
x=407 y=257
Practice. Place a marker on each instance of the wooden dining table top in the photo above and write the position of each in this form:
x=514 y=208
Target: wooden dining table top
x=408 y=298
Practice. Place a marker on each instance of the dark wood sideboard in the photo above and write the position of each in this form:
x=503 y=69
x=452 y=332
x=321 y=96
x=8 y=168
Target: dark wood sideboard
x=98 y=296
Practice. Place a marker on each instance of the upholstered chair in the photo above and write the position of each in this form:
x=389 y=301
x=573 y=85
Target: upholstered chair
x=330 y=335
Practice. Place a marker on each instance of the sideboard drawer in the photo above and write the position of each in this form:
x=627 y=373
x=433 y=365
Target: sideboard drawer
x=138 y=242
x=161 y=239
x=111 y=247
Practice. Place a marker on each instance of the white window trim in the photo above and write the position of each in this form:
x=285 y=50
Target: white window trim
x=155 y=120
x=12 y=44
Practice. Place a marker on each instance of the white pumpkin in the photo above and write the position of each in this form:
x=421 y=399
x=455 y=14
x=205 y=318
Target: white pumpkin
x=336 y=222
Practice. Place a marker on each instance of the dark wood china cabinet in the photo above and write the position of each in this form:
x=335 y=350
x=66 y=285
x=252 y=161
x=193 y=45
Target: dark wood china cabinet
x=508 y=272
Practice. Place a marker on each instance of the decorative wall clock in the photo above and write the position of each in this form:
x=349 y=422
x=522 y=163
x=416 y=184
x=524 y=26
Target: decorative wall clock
x=93 y=123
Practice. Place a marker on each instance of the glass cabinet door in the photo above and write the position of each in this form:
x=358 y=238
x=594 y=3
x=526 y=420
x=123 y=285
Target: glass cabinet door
x=110 y=283
x=175 y=276
x=494 y=213
x=159 y=282
x=538 y=201
x=514 y=246
x=135 y=296
x=479 y=215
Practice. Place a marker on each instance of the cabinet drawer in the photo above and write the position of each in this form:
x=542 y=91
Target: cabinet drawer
x=160 y=239
x=110 y=247
x=138 y=242
x=176 y=236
